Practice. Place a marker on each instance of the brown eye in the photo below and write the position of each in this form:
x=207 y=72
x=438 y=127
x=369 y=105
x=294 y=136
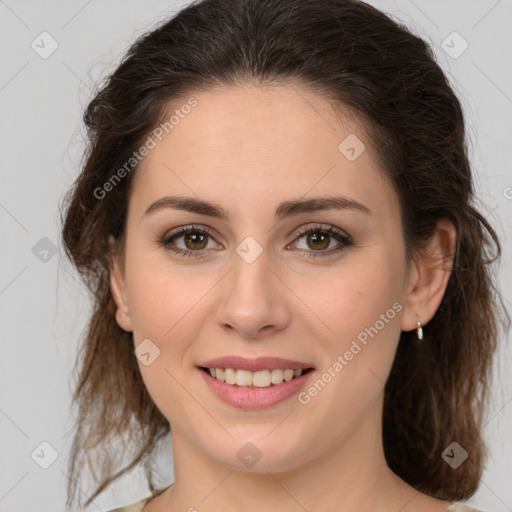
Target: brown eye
x=318 y=239
x=195 y=240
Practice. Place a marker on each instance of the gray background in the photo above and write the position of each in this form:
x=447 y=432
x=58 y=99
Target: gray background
x=43 y=305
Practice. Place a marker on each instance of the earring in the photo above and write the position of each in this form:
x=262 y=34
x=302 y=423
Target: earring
x=419 y=330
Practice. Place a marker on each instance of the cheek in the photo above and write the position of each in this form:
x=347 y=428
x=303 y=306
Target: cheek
x=361 y=316
x=361 y=321
x=161 y=297
x=358 y=297
x=164 y=306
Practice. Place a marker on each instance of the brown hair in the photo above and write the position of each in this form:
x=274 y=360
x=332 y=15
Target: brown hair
x=363 y=61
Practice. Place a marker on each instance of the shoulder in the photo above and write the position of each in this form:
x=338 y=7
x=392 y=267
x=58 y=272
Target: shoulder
x=135 y=507
x=461 y=507
x=139 y=506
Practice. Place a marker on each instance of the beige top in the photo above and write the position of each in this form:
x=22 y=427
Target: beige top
x=137 y=507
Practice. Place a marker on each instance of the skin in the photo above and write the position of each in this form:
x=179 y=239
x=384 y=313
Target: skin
x=248 y=148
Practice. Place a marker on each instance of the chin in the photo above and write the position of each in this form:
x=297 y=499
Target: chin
x=260 y=452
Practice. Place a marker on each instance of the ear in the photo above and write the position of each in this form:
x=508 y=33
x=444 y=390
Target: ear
x=118 y=289
x=429 y=275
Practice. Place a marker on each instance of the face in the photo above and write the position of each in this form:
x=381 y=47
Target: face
x=255 y=284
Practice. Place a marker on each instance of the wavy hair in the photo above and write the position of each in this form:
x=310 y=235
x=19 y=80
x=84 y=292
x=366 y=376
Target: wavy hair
x=363 y=62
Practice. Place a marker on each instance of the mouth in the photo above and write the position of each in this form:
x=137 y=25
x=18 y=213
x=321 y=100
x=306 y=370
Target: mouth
x=259 y=379
x=254 y=383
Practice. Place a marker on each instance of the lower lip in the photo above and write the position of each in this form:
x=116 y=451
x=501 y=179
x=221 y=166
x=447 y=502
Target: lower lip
x=255 y=398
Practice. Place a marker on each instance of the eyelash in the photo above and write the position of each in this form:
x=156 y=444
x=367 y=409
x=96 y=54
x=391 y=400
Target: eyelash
x=338 y=235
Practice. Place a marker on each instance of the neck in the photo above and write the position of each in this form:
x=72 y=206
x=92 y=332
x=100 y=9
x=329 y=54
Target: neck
x=352 y=476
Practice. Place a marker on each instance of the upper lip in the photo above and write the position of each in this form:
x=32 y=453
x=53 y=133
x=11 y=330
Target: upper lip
x=254 y=365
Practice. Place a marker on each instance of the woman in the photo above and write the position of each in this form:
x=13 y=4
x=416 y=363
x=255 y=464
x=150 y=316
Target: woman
x=275 y=215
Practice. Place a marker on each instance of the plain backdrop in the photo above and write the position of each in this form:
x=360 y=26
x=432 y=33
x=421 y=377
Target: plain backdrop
x=52 y=53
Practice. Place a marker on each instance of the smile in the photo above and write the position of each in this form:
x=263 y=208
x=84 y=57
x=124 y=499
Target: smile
x=261 y=393
x=259 y=379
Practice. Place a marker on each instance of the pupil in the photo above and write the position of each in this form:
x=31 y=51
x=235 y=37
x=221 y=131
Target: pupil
x=192 y=236
x=316 y=236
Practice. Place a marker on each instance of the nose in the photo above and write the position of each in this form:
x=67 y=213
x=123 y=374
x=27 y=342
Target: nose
x=254 y=300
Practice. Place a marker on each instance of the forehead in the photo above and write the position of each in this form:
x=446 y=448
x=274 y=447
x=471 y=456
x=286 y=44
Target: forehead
x=242 y=143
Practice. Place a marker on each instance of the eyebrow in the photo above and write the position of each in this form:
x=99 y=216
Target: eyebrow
x=285 y=209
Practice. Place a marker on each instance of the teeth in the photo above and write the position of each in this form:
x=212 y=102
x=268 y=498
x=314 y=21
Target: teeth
x=276 y=376
x=243 y=378
x=260 y=379
x=288 y=375
x=230 y=376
